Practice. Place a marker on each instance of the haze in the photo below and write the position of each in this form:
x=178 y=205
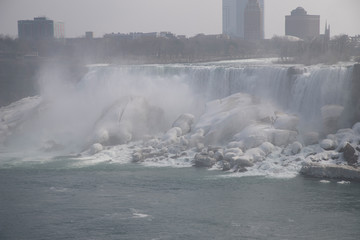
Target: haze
x=188 y=17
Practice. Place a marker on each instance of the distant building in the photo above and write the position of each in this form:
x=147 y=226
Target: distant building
x=118 y=36
x=89 y=35
x=167 y=35
x=302 y=25
x=59 y=30
x=234 y=17
x=40 y=28
x=253 y=21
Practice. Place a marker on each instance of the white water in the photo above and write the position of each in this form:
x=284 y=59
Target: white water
x=115 y=105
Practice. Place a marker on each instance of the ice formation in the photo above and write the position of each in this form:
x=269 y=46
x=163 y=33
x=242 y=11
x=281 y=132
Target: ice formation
x=256 y=119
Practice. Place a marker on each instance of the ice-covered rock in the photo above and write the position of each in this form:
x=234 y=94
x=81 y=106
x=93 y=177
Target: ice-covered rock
x=242 y=162
x=236 y=151
x=255 y=154
x=184 y=122
x=219 y=155
x=226 y=117
x=172 y=135
x=128 y=118
x=204 y=160
x=197 y=137
x=296 y=147
x=253 y=135
x=330 y=171
x=95 y=148
x=267 y=147
x=345 y=134
x=350 y=154
x=328 y=144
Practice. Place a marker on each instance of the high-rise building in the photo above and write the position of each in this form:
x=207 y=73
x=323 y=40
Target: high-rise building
x=234 y=17
x=253 y=21
x=302 y=25
x=59 y=30
x=40 y=28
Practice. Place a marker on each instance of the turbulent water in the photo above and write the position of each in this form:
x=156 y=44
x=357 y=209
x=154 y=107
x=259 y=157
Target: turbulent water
x=81 y=160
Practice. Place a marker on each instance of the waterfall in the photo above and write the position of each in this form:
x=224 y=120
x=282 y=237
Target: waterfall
x=299 y=90
x=72 y=114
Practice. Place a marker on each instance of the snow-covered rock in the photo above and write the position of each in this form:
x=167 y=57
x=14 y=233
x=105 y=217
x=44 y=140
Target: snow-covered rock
x=172 y=135
x=253 y=135
x=296 y=147
x=224 y=118
x=328 y=144
x=95 y=148
x=204 y=160
x=330 y=171
x=184 y=122
x=267 y=147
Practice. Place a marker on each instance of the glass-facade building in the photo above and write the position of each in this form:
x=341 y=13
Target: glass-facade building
x=234 y=17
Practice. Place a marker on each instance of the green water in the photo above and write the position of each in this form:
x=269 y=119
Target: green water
x=135 y=202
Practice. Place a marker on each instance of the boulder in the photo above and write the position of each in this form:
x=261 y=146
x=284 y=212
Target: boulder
x=204 y=160
x=219 y=155
x=242 y=162
x=172 y=135
x=255 y=154
x=197 y=137
x=226 y=166
x=296 y=147
x=137 y=157
x=350 y=154
x=95 y=148
x=267 y=148
x=330 y=171
x=253 y=136
x=184 y=122
x=328 y=144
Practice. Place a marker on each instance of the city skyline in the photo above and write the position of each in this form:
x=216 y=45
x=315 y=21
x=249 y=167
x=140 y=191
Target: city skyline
x=233 y=13
x=204 y=16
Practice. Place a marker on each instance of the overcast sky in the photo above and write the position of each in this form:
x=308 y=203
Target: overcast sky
x=187 y=17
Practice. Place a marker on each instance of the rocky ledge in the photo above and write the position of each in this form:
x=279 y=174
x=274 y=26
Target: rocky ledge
x=331 y=171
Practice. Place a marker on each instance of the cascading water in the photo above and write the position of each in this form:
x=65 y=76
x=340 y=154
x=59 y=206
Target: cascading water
x=116 y=105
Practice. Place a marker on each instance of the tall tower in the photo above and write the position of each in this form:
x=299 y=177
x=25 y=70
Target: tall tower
x=233 y=17
x=253 y=21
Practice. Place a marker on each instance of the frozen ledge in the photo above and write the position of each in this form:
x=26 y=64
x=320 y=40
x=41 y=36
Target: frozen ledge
x=330 y=171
